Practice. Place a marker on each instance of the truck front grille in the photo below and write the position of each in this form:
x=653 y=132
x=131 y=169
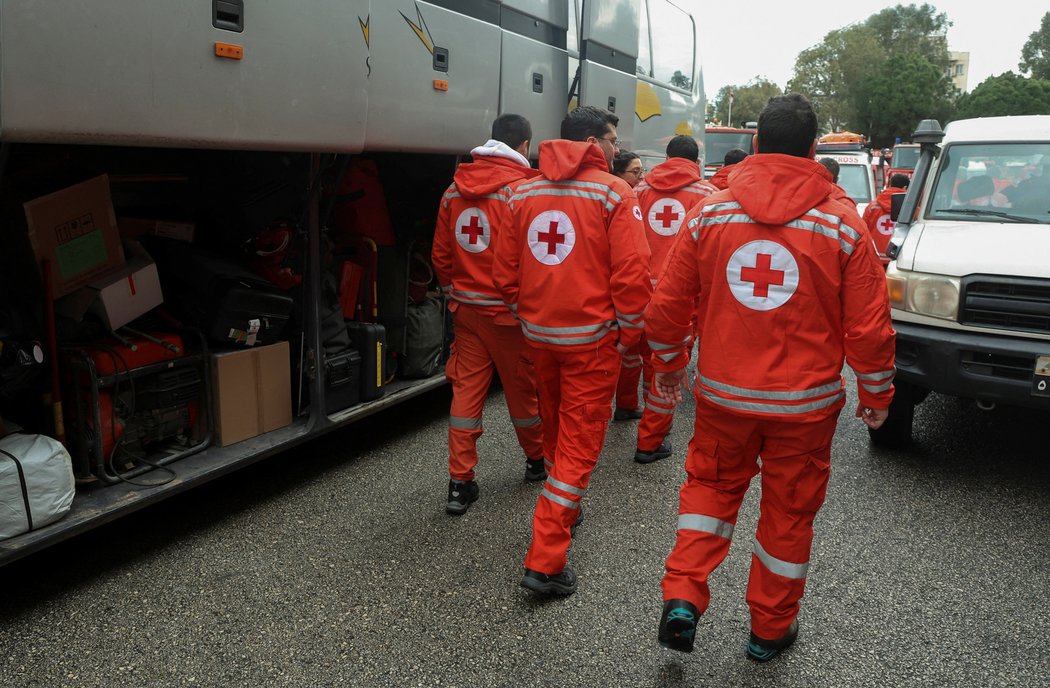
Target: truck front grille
x=1021 y=305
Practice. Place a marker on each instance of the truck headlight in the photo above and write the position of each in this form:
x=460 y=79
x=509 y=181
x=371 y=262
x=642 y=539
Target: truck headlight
x=933 y=295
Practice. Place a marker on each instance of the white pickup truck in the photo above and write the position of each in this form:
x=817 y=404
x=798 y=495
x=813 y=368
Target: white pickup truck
x=970 y=281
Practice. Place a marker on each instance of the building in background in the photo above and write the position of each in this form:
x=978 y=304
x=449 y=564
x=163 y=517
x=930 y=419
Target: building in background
x=958 y=69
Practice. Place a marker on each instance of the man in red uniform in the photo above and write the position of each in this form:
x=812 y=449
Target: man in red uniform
x=789 y=287
x=471 y=219
x=877 y=215
x=574 y=267
x=720 y=179
x=672 y=189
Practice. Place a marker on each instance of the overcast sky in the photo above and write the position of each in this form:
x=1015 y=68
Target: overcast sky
x=742 y=40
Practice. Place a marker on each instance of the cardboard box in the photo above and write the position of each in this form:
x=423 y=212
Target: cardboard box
x=119 y=297
x=135 y=227
x=75 y=229
x=252 y=392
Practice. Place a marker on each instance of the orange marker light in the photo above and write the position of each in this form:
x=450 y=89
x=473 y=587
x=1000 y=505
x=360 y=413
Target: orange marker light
x=229 y=51
x=440 y=85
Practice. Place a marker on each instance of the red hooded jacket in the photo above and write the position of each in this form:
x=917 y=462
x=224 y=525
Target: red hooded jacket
x=789 y=287
x=470 y=221
x=720 y=179
x=670 y=190
x=575 y=264
x=881 y=229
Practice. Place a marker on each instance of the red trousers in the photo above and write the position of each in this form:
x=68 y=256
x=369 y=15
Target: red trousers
x=658 y=413
x=485 y=344
x=576 y=390
x=631 y=365
x=723 y=457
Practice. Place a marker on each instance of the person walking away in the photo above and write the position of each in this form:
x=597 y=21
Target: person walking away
x=789 y=288
x=720 y=179
x=834 y=169
x=877 y=215
x=672 y=189
x=472 y=217
x=575 y=268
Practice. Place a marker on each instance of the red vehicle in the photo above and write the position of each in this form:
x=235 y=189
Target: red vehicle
x=902 y=161
x=720 y=140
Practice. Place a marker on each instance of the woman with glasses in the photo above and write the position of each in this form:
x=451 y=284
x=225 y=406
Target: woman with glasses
x=628 y=167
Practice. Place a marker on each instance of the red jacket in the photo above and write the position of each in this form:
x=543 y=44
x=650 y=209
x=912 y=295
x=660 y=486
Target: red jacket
x=720 y=179
x=575 y=265
x=881 y=229
x=471 y=219
x=789 y=286
x=671 y=189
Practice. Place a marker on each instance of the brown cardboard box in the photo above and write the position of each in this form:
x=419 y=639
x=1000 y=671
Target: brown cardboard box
x=252 y=391
x=75 y=229
x=120 y=296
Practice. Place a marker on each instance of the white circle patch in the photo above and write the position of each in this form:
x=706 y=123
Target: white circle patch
x=762 y=275
x=665 y=216
x=473 y=231
x=637 y=213
x=551 y=237
x=885 y=225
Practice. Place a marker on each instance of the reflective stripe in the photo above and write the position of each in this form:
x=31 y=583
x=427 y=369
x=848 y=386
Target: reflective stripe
x=660 y=346
x=706 y=524
x=658 y=409
x=778 y=409
x=877 y=388
x=850 y=232
x=724 y=205
x=609 y=205
x=525 y=422
x=450 y=194
x=564 y=487
x=628 y=325
x=512 y=307
x=779 y=566
x=794 y=395
x=714 y=220
x=548 y=463
x=829 y=232
x=474 y=294
x=628 y=316
x=559 y=500
x=572 y=184
x=693 y=223
x=667 y=358
x=496 y=196
x=575 y=329
x=875 y=377
x=455 y=296
x=464 y=423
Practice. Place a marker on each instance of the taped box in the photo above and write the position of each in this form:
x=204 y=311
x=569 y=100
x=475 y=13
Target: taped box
x=252 y=392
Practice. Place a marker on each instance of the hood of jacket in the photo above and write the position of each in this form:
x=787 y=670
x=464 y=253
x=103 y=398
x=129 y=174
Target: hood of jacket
x=494 y=166
x=562 y=159
x=883 y=199
x=775 y=189
x=720 y=179
x=673 y=174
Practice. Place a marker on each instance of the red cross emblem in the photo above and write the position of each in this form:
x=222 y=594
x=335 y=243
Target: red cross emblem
x=473 y=232
x=762 y=275
x=885 y=225
x=667 y=216
x=551 y=237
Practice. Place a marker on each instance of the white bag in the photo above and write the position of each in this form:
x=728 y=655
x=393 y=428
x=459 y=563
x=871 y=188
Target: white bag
x=36 y=483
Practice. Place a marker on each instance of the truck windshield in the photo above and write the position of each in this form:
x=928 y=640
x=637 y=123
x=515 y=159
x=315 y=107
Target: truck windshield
x=854 y=180
x=905 y=157
x=1011 y=178
x=718 y=143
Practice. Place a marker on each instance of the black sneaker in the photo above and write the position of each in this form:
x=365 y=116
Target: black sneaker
x=762 y=650
x=661 y=452
x=563 y=583
x=678 y=625
x=627 y=414
x=460 y=496
x=535 y=470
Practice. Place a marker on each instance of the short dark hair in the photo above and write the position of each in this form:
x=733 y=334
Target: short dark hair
x=683 y=146
x=586 y=121
x=733 y=156
x=900 y=181
x=622 y=160
x=511 y=129
x=832 y=165
x=787 y=125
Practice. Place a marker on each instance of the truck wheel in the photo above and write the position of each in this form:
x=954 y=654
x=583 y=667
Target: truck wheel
x=895 y=433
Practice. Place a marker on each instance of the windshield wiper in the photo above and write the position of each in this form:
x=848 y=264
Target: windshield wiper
x=990 y=213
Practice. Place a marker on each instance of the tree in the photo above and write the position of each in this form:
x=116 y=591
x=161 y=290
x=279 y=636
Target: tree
x=1035 y=55
x=913 y=29
x=748 y=100
x=680 y=80
x=904 y=90
x=1006 y=94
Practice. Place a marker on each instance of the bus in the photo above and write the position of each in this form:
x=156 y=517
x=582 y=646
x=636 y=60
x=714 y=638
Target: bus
x=296 y=160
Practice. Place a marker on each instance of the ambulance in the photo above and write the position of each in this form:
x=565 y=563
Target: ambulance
x=856 y=176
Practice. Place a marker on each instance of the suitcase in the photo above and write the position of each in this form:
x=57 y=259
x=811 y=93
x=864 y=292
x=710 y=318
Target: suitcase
x=226 y=302
x=370 y=341
x=342 y=381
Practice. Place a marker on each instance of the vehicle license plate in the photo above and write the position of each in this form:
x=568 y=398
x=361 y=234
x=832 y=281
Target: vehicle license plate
x=1041 y=379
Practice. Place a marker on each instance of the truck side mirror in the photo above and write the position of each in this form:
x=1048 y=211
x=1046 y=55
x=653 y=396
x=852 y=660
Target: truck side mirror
x=896 y=201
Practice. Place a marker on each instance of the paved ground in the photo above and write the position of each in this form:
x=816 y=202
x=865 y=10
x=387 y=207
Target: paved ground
x=335 y=565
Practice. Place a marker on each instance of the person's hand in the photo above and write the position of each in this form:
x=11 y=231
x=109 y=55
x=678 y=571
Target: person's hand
x=873 y=418
x=669 y=385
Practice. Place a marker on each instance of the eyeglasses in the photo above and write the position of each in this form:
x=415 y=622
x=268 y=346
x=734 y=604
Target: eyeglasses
x=637 y=171
x=614 y=141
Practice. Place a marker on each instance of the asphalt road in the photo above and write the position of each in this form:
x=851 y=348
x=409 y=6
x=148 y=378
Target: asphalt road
x=335 y=565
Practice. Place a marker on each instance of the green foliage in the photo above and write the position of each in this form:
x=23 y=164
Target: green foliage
x=1035 y=55
x=748 y=101
x=902 y=91
x=1006 y=94
x=838 y=75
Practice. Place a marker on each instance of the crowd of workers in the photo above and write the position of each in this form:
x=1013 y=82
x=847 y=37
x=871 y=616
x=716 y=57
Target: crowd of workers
x=574 y=280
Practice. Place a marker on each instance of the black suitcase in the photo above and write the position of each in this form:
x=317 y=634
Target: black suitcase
x=225 y=301
x=370 y=341
x=342 y=381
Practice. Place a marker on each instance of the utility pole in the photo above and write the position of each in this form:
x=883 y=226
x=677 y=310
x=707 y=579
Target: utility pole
x=729 y=123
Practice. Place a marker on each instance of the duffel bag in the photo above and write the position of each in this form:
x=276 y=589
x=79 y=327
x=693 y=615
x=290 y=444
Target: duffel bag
x=36 y=483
